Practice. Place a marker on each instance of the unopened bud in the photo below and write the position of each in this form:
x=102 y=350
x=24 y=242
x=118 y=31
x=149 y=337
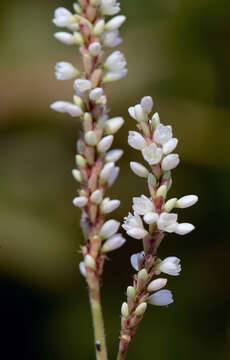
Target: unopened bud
x=125 y=310
x=131 y=292
x=90 y=262
x=162 y=191
x=141 y=308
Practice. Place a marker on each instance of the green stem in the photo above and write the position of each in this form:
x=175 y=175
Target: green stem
x=98 y=323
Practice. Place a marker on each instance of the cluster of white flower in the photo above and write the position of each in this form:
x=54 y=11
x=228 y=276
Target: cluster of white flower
x=96 y=170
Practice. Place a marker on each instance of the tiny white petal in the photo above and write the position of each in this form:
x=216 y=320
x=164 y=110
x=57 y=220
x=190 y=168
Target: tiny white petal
x=186 y=201
x=140 y=114
x=111 y=38
x=116 y=61
x=132 y=221
x=115 y=23
x=82 y=85
x=139 y=169
x=170 y=162
x=113 y=243
x=136 y=140
x=66 y=107
x=82 y=268
x=136 y=259
x=114 y=155
x=170 y=265
x=105 y=143
x=62 y=17
x=147 y=104
x=184 y=228
x=95 y=48
x=162 y=134
x=132 y=112
x=109 y=228
x=161 y=298
x=80 y=201
x=150 y=218
x=152 y=154
x=114 y=75
x=157 y=284
x=170 y=146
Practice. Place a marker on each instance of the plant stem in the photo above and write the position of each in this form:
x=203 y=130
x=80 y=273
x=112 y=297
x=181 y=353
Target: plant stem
x=96 y=309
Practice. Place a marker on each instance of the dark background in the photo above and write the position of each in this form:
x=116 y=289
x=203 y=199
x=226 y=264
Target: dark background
x=178 y=52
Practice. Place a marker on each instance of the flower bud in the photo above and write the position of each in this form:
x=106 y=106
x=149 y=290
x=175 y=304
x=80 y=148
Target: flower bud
x=125 y=310
x=161 y=298
x=136 y=140
x=91 y=138
x=170 y=162
x=65 y=71
x=114 y=155
x=77 y=175
x=140 y=113
x=170 y=265
x=170 y=146
x=113 y=243
x=80 y=201
x=113 y=176
x=109 y=228
x=110 y=206
x=147 y=104
x=155 y=120
x=80 y=160
x=95 y=94
x=64 y=37
x=131 y=292
x=162 y=191
x=184 y=228
x=139 y=169
x=142 y=275
x=106 y=172
x=94 y=48
x=186 y=201
x=157 y=284
x=96 y=197
x=170 y=204
x=105 y=143
x=115 y=23
x=90 y=262
x=82 y=85
x=98 y=28
x=141 y=308
x=82 y=268
x=113 y=125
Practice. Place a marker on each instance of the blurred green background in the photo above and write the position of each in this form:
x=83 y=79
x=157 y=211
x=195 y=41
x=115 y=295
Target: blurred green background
x=178 y=52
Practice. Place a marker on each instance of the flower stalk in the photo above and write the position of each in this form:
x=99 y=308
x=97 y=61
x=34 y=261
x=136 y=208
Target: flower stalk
x=95 y=171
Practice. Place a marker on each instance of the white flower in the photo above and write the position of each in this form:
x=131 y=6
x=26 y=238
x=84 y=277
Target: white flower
x=147 y=104
x=82 y=268
x=65 y=71
x=162 y=134
x=136 y=260
x=139 y=169
x=105 y=143
x=157 y=284
x=114 y=155
x=96 y=93
x=82 y=85
x=110 y=7
x=80 y=201
x=142 y=205
x=66 y=107
x=114 y=75
x=116 y=61
x=65 y=38
x=161 y=298
x=113 y=176
x=186 y=201
x=113 y=243
x=62 y=17
x=111 y=38
x=109 y=228
x=170 y=146
x=96 y=197
x=170 y=265
x=113 y=125
x=115 y=23
x=110 y=206
x=132 y=112
x=106 y=171
x=95 y=48
x=136 y=140
x=184 y=228
x=152 y=154
x=167 y=222
x=170 y=162
x=134 y=227
x=150 y=218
